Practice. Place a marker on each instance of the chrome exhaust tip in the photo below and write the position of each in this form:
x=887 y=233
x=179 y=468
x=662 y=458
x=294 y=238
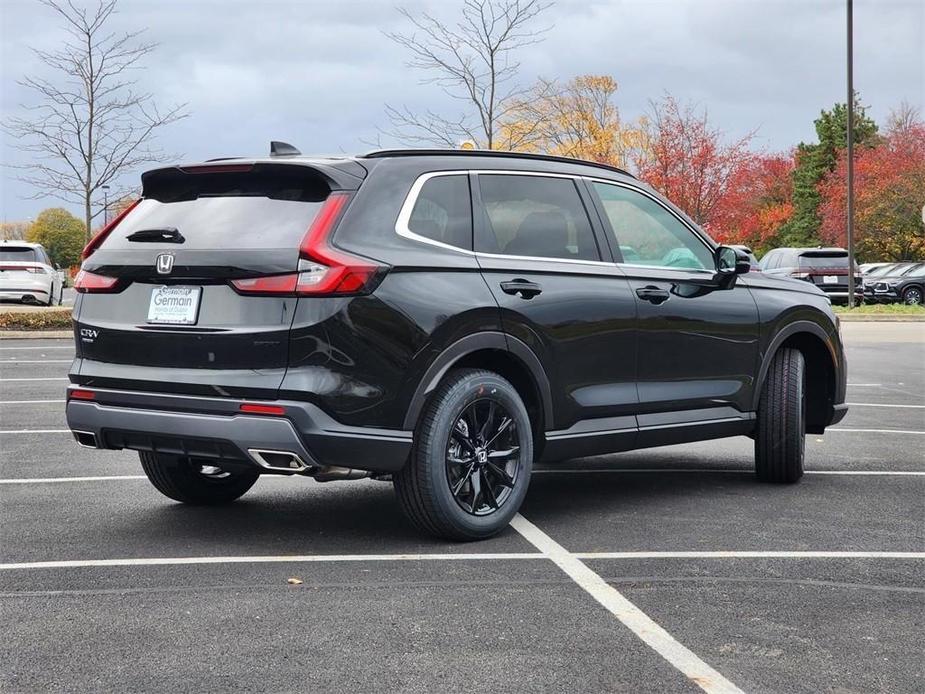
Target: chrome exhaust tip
x=279 y=461
x=86 y=439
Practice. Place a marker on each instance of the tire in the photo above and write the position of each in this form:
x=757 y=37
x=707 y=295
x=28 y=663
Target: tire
x=182 y=479
x=780 y=431
x=453 y=485
x=913 y=296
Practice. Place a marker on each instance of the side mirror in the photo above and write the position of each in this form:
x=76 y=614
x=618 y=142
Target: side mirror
x=730 y=262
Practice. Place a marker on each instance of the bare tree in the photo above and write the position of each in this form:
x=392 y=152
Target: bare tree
x=88 y=124
x=472 y=62
x=904 y=118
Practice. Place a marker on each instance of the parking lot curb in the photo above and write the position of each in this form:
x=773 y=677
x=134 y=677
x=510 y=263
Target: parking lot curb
x=899 y=318
x=34 y=334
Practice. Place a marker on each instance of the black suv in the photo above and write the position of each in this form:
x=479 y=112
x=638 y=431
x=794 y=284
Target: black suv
x=905 y=283
x=827 y=268
x=439 y=318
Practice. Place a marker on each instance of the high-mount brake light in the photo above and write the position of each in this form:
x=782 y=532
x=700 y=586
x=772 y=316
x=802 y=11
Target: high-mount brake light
x=217 y=168
x=106 y=231
x=91 y=283
x=323 y=269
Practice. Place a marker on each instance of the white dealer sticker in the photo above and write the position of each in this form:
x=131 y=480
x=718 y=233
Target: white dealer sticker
x=174 y=305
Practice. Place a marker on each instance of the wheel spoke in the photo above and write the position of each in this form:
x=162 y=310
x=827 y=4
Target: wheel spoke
x=460 y=436
x=489 y=418
x=506 y=453
x=489 y=491
x=475 y=481
x=461 y=482
x=505 y=424
x=503 y=478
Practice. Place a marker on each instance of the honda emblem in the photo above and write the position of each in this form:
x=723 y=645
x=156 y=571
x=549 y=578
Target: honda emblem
x=164 y=263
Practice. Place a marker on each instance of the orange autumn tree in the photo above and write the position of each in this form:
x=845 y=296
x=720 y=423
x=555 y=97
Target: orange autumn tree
x=889 y=195
x=578 y=118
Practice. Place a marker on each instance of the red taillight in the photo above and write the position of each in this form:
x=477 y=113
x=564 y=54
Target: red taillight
x=89 y=283
x=78 y=394
x=323 y=269
x=105 y=231
x=257 y=408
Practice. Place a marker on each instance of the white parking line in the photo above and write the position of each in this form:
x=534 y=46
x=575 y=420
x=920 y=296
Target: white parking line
x=865 y=385
x=34 y=348
x=52 y=480
x=36 y=361
x=10 y=380
x=27 y=402
x=280 y=559
x=880 y=404
x=750 y=555
x=726 y=471
x=35 y=431
x=278 y=478
x=876 y=431
x=637 y=621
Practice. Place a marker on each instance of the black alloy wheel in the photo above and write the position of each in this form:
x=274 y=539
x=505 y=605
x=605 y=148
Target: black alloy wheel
x=482 y=457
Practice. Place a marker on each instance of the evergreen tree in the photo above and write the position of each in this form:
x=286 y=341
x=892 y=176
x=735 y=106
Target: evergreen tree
x=813 y=162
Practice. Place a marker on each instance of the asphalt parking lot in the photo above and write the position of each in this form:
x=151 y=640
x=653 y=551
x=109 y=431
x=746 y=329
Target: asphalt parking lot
x=652 y=571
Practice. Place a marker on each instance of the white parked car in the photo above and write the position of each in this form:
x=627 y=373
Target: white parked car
x=27 y=274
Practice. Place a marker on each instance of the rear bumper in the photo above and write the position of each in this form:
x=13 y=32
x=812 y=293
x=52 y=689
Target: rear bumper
x=214 y=428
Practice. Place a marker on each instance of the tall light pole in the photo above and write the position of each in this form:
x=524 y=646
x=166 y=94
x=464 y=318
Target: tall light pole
x=850 y=154
x=106 y=200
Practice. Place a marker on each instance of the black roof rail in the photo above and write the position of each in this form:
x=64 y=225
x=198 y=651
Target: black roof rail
x=383 y=153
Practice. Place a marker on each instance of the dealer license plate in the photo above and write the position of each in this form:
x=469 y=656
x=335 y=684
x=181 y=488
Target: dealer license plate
x=174 y=305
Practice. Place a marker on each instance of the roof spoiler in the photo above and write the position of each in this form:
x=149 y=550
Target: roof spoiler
x=282 y=149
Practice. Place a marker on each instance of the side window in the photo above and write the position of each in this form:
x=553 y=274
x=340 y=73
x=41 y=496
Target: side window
x=535 y=216
x=767 y=262
x=648 y=234
x=443 y=211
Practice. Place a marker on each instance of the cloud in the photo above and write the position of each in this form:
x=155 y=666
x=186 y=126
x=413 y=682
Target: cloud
x=318 y=72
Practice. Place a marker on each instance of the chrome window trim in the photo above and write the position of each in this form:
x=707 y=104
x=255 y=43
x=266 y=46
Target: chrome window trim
x=674 y=214
x=402 y=227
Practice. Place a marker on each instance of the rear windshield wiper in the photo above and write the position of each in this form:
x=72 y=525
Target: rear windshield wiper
x=163 y=234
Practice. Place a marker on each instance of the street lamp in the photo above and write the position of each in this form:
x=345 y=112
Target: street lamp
x=850 y=154
x=105 y=205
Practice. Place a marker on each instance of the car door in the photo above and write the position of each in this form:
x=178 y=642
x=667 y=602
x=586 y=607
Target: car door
x=697 y=344
x=550 y=271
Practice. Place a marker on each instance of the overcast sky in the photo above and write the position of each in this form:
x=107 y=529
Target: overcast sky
x=317 y=73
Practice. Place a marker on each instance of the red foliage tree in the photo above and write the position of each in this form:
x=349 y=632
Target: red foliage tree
x=889 y=194
x=758 y=201
x=688 y=160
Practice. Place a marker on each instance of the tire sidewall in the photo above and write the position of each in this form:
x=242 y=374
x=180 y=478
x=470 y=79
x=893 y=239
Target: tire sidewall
x=471 y=389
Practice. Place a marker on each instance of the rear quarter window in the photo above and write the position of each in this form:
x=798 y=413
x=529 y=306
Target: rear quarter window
x=443 y=211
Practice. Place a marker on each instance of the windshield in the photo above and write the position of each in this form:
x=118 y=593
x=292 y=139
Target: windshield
x=882 y=270
x=18 y=253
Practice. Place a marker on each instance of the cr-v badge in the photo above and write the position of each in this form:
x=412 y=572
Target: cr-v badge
x=164 y=263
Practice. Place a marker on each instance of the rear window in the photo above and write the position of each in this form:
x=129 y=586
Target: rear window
x=23 y=254
x=268 y=207
x=824 y=261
